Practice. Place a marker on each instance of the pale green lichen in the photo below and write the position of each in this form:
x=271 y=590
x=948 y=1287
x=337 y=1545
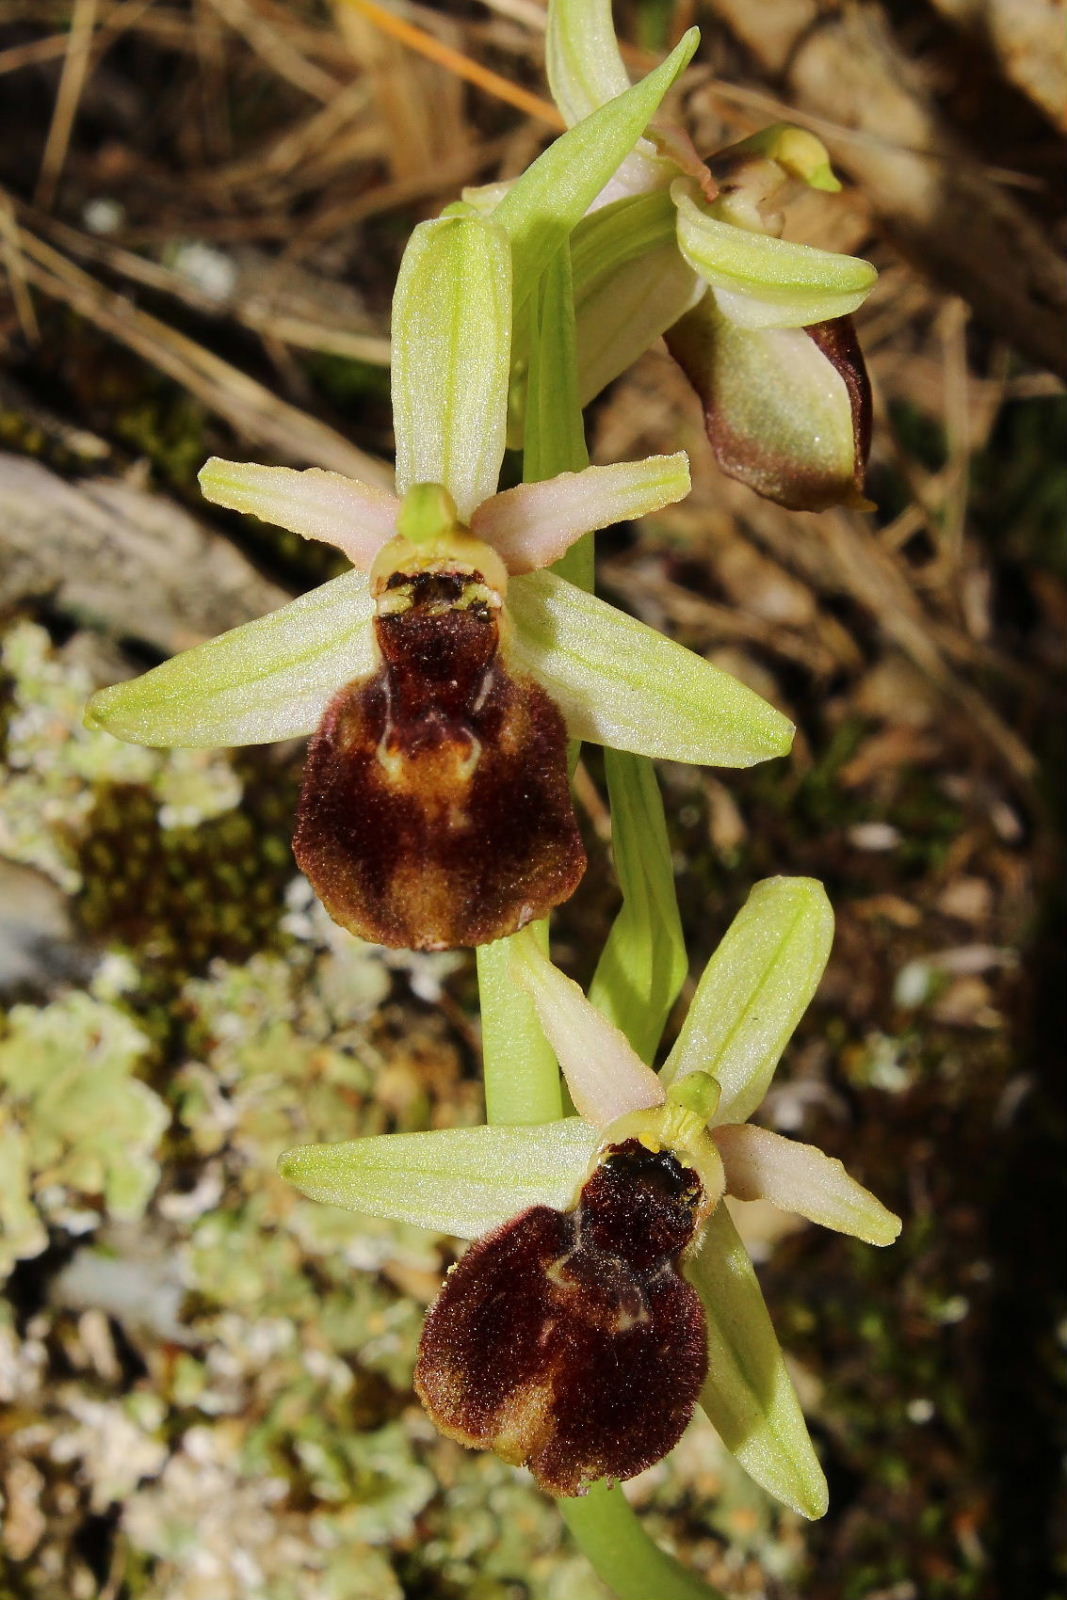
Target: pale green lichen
x=80 y=1130
x=56 y=766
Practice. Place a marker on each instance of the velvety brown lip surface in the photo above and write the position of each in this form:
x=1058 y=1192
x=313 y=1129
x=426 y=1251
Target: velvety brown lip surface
x=569 y=1340
x=436 y=806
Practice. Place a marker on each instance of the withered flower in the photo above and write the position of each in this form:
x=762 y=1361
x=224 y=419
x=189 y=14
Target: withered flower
x=569 y=1336
x=445 y=672
x=689 y=250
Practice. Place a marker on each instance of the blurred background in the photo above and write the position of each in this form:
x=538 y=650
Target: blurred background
x=205 y=1380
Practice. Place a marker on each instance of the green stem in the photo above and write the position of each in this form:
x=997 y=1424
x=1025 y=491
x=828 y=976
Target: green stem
x=610 y=1535
x=522 y=1082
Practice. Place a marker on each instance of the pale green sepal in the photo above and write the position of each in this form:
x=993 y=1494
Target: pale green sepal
x=451 y=358
x=643 y=964
x=582 y=57
x=630 y=285
x=621 y=683
x=462 y=1181
x=749 y=1396
x=269 y=679
x=754 y=991
x=553 y=194
x=761 y=281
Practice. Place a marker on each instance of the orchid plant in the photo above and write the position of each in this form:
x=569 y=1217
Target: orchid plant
x=447 y=679
x=475 y=1182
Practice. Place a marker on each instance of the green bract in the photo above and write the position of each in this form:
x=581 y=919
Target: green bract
x=749 y=1000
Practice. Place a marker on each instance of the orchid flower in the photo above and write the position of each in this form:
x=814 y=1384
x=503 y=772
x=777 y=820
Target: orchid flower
x=552 y=1201
x=674 y=247
x=446 y=671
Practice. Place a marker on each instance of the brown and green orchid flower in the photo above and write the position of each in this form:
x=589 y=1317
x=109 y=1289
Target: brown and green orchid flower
x=607 y=1293
x=690 y=251
x=444 y=674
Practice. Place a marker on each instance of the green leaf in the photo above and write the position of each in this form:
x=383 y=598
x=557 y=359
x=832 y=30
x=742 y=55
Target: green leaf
x=552 y=195
x=451 y=358
x=766 y=282
x=643 y=964
x=748 y=1395
x=623 y=684
x=754 y=991
x=582 y=57
x=462 y=1181
x=269 y=679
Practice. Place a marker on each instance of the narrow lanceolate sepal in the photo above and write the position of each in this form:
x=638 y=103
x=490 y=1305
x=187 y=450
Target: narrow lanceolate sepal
x=761 y=1165
x=553 y=194
x=764 y=282
x=462 y=1181
x=451 y=355
x=582 y=57
x=534 y=524
x=620 y=683
x=269 y=679
x=605 y=1078
x=754 y=991
x=354 y=516
x=748 y=1394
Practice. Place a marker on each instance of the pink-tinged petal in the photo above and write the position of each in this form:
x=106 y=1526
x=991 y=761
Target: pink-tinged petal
x=356 y=517
x=532 y=525
x=606 y=1078
x=761 y=1165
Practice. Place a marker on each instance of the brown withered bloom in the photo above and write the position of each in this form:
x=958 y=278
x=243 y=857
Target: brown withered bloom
x=569 y=1341
x=436 y=807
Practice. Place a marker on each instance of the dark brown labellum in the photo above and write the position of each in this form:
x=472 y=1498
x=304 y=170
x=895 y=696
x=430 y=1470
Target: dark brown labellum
x=569 y=1340
x=436 y=808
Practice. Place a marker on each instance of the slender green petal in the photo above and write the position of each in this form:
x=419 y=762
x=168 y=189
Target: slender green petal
x=451 y=356
x=553 y=194
x=269 y=679
x=766 y=282
x=754 y=991
x=618 y=682
x=630 y=284
x=761 y=1165
x=522 y=1083
x=582 y=57
x=749 y=1396
x=643 y=964
x=605 y=1077
x=532 y=525
x=612 y=1537
x=356 y=517
x=462 y=1181
x=779 y=413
